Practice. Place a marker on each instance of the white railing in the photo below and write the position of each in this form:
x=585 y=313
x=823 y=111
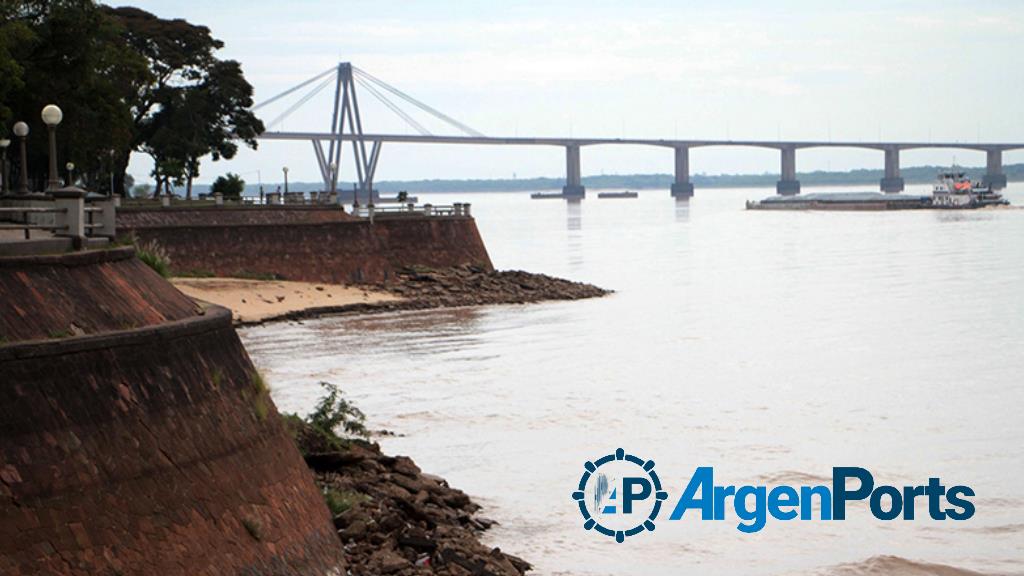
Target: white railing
x=429 y=210
x=63 y=212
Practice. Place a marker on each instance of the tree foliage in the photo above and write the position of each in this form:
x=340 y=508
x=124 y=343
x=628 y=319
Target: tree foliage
x=128 y=81
x=230 y=185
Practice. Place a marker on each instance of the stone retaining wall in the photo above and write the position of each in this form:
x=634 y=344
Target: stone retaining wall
x=336 y=252
x=150 y=449
x=85 y=292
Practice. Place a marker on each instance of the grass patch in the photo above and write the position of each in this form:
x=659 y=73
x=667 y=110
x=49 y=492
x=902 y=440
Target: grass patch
x=339 y=501
x=155 y=257
x=265 y=276
x=57 y=334
x=195 y=274
x=261 y=399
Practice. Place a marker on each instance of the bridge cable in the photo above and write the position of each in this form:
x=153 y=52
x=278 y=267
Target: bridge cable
x=430 y=110
x=294 y=88
x=394 y=107
x=316 y=90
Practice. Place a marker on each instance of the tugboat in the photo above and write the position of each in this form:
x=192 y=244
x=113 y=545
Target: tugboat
x=955 y=190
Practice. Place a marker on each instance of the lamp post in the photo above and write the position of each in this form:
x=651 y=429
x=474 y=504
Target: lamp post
x=71 y=173
x=334 y=177
x=21 y=131
x=285 y=170
x=52 y=115
x=112 y=153
x=4 y=172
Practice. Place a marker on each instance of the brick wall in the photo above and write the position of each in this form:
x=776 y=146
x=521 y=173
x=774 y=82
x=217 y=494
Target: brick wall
x=152 y=450
x=83 y=293
x=129 y=217
x=338 y=252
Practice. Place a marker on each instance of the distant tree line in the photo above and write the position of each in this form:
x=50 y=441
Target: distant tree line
x=869 y=178
x=127 y=82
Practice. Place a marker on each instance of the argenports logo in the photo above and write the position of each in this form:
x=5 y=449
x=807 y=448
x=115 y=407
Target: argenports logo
x=621 y=495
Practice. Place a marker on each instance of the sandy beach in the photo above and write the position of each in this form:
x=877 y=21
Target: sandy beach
x=258 y=300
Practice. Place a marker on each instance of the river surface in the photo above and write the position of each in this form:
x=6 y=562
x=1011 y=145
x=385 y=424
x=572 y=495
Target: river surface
x=769 y=345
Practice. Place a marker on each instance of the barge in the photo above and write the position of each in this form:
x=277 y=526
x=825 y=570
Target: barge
x=953 y=191
x=626 y=194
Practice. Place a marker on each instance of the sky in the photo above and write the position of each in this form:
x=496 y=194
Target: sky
x=826 y=70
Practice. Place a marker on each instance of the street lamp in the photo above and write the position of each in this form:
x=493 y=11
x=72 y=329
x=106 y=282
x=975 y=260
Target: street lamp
x=71 y=173
x=52 y=116
x=112 y=153
x=4 y=172
x=21 y=131
x=285 y=170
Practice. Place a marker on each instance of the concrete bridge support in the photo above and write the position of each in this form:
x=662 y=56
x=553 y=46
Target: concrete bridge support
x=788 y=185
x=994 y=176
x=573 y=186
x=892 y=182
x=682 y=187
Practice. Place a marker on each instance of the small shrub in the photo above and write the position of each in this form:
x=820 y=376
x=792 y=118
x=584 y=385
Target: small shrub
x=334 y=412
x=318 y=432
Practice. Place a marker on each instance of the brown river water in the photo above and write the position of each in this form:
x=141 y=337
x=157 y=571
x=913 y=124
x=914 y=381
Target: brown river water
x=769 y=345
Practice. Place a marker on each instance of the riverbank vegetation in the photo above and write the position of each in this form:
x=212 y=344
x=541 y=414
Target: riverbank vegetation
x=391 y=517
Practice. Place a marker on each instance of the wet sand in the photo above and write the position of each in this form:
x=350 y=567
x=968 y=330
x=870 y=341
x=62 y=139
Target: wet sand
x=259 y=300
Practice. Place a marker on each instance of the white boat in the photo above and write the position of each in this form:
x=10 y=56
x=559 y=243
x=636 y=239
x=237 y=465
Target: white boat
x=955 y=190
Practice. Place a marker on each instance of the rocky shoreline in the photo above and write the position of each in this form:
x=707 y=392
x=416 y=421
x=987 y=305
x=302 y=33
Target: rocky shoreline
x=393 y=519
x=422 y=289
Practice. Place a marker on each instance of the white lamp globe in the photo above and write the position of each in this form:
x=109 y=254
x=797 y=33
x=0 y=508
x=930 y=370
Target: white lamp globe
x=52 y=115
x=21 y=129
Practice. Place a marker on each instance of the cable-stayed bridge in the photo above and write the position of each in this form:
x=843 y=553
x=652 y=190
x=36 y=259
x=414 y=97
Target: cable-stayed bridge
x=346 y=127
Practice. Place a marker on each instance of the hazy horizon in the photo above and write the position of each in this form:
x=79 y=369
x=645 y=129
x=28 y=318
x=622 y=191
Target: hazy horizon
x=808 y=70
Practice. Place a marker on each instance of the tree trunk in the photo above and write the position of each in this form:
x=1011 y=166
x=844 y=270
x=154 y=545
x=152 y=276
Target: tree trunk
x=188 y=188
x=120 y=169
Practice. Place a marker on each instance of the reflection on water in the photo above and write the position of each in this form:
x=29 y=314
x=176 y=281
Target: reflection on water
x=574 y=215
x=770 y=345
x=682 y=209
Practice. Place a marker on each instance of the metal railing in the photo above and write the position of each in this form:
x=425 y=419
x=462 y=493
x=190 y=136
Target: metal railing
x=429 y=210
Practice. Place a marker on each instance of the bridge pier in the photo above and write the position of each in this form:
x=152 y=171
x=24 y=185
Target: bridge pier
x=573 y=185
x=682 y=187
x=892 y=182
x=788 y=185
x=994 y=175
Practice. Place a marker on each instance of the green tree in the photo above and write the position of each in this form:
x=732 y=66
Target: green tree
x=230 y=185
x=14 y=35
x=72 y=55
x=205 y=119
x=190 y=104
x=127 y=81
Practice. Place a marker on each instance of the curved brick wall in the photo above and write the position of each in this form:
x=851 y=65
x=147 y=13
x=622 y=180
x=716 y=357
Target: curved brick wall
x=151 y=451
x=336 y=252
x=83 y=293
